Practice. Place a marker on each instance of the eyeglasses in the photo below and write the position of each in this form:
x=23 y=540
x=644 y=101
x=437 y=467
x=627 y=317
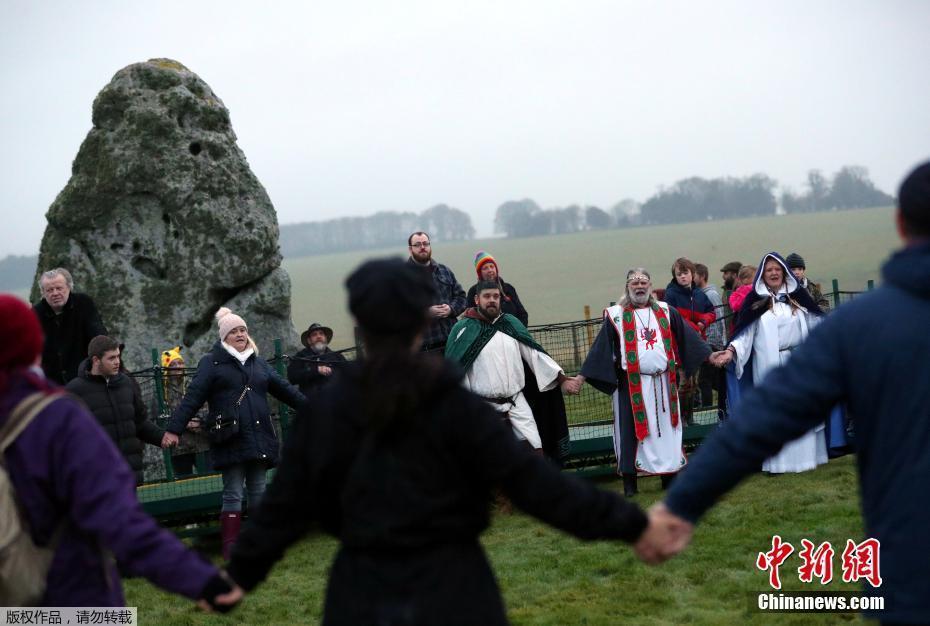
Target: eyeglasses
x=420 y=244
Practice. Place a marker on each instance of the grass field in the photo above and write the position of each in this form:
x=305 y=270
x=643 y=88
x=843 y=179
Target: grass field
x=549 y=578
x=557 y=275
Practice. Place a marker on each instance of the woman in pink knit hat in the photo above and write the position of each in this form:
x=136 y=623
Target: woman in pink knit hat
x=235 y=382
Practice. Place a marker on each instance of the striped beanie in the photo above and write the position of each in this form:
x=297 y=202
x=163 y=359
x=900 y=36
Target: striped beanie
x=480 y=259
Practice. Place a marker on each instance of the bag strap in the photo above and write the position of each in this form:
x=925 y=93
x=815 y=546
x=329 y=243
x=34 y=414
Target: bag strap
x=248 y=384
x=21 y=416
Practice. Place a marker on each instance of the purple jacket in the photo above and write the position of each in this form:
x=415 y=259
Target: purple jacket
x=65 y=468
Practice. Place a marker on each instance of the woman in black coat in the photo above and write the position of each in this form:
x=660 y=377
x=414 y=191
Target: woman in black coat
x=399 y=462
x=235 y=382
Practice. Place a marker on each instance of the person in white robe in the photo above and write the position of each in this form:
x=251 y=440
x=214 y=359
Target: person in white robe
x=776 y=318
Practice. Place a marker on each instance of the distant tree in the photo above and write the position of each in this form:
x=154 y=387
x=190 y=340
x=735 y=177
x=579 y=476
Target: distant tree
x=627 y=212
x=596 y=218
x=698 y=198
x=517 y=218
x=852 y=189
x=445 y=223
x=818 y=190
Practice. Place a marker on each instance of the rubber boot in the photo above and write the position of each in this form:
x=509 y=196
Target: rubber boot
x=230 y=521
x=629 y=486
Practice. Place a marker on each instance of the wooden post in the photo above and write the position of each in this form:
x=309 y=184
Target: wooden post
x=162 y=409
x=284 y=411
x=587 y=316
x=836 y=293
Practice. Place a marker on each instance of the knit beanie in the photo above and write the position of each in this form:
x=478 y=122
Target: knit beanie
x=23 y=342
x=170 y=356
x=480 y=259
x=795 y=261
x=390 y=295
x=227 y=320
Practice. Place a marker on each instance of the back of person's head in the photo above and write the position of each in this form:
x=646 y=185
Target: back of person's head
x=22 y=344
x=746 y=272
x=390 y=300
x=100 y=345
x=914 y=202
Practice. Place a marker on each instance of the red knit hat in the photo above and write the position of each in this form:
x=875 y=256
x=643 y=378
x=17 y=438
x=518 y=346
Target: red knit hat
x=23 y=341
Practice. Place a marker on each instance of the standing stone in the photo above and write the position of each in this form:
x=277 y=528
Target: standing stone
x=163 y=222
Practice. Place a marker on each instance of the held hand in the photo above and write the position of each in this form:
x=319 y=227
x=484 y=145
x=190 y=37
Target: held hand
x=325 y=370
x=666 y=536
x=437 y=310
x=224 y=602
x=720 y=359
x=169 y=440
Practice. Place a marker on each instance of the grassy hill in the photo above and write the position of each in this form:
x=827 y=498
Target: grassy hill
x=557 y=275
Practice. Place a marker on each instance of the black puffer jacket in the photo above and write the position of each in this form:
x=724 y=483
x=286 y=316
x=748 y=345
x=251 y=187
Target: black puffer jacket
x=304 y=369
x=118 y=406
x=67 y=335
x=219 y=381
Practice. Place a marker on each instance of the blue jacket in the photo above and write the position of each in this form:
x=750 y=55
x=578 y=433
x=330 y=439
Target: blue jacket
x=219 y=381
x=873 y=354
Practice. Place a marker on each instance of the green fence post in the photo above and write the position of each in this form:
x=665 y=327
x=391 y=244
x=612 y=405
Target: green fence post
x=162 y=409
x=284 y=411
x=871 y=284
x=836 y=293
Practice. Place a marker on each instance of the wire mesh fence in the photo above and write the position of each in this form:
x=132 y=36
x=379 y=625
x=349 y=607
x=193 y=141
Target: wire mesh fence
x=180 y=481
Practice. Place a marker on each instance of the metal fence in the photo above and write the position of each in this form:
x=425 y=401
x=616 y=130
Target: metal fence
x=180 y=484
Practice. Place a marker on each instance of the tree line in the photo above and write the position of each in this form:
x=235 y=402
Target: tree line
x=697 y=199
x=383 y=229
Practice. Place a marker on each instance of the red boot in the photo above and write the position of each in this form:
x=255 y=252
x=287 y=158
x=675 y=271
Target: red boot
x=229 y=530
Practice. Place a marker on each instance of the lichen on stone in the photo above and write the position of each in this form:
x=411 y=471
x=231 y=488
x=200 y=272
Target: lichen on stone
x=163 y=221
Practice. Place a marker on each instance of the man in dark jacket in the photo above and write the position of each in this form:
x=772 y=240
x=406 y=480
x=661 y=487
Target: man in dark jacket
x=69 y=321
x=312 y=367
x=871 y=354
x=114 y=400
x=449 y=298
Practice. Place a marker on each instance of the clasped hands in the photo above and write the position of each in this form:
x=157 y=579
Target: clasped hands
x=720 y=358
x=664 y=537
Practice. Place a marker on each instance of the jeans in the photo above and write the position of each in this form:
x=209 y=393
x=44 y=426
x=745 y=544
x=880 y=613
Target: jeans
x=238 y=477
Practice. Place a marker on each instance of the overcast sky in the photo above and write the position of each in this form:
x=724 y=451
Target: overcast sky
x=347 y=108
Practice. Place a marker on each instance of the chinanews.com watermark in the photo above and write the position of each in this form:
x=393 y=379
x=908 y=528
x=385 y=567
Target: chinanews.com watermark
x=859 y=562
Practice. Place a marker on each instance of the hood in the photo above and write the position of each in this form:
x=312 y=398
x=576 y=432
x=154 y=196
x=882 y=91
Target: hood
x=909 y=269
x=791 y=283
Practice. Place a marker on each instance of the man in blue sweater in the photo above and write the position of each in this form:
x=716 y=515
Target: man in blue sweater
x=872 y=354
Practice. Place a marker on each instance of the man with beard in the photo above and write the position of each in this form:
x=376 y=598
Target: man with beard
x=312 y=367
x=643 y=350
x=492 y=346
x=729 y=272
x=449 y=299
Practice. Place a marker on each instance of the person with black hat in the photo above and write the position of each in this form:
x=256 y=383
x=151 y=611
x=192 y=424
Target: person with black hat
x=797 y=266
x=729 y=271
x=398 y=460
x=871 y=354
x=312 y=367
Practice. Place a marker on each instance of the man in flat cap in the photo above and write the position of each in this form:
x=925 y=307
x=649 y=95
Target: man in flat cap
x=310 y=368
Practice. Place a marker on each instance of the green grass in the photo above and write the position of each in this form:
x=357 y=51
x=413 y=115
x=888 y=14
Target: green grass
x=557 y=276
x=549 y=578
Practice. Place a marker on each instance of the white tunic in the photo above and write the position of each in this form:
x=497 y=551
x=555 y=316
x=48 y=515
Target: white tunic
x=769 y=342
x=497 y=372
x=660 y=452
